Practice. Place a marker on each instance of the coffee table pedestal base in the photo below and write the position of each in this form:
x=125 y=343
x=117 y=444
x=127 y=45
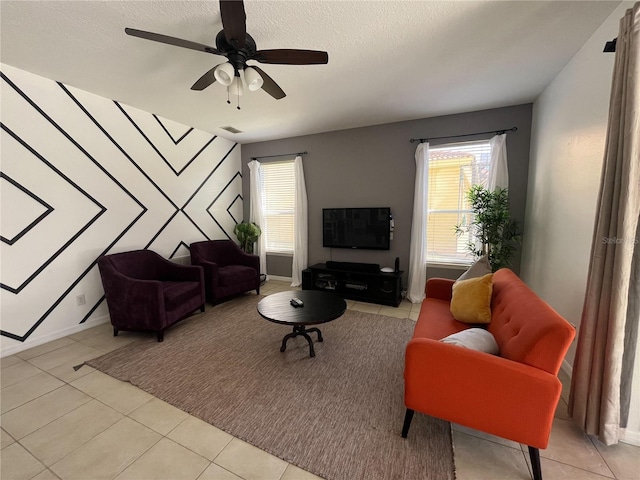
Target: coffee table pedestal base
x=304 y=332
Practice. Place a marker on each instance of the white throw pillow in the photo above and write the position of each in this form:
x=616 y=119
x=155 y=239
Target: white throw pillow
x=481 y=268
x=474 y=339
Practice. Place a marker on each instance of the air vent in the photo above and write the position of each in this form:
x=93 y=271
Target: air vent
x=229 y=128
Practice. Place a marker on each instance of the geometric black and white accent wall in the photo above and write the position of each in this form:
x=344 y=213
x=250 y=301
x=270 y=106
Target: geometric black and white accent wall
x=82 y=176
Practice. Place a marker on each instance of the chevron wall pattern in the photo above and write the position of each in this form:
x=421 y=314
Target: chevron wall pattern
x=83 y=176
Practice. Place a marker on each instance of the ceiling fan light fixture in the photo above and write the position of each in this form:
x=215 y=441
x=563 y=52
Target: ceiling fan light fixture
x=253 y=79
x=236 y=87
x=224 y=73
x=234 y=43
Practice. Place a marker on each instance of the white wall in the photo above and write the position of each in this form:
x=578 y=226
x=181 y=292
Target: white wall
x=83 y=176
x=567 y=148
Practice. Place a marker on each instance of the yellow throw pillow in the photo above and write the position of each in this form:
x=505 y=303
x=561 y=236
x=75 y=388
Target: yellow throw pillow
x=471 y=300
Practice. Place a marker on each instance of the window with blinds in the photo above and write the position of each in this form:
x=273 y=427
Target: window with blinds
x=278 y=190
x=453 y=169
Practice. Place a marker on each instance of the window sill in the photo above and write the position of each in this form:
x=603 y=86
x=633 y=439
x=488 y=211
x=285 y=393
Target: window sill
x=456 y=266
x=280 y=254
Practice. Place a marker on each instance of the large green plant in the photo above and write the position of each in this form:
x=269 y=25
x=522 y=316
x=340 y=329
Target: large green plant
x=247 y=234
x=492 y=230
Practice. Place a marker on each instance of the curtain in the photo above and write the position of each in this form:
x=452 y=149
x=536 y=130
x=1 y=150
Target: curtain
x=603 y=367
x=300 y=225
x=418 y=246
x=255 y=210
x=498 y=170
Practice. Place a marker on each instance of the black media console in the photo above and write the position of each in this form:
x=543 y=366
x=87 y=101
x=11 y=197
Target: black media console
x=357 y=281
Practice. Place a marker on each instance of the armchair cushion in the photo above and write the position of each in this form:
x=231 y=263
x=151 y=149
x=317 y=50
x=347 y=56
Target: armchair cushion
x=234 y=274
x=177 y=293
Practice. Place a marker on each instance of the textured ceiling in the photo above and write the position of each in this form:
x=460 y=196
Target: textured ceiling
x=388 y=60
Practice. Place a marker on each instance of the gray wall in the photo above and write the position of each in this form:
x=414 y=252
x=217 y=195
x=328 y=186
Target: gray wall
x=375 y=167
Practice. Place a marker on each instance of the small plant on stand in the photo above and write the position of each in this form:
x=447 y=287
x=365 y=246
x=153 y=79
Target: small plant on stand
x=492 y=230
x=247 y=234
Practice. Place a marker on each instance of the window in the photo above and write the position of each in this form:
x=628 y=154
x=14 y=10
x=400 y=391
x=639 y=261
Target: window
x=278 y=190
x=453 y=169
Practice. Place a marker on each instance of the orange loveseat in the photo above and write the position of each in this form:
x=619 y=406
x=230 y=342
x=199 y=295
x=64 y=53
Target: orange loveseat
x=513 y=395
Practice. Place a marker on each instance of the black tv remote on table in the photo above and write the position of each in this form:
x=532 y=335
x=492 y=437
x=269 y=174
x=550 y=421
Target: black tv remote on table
x=296 y=302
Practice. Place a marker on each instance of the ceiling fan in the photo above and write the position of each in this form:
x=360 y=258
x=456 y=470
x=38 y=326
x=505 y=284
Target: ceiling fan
x=234 y=43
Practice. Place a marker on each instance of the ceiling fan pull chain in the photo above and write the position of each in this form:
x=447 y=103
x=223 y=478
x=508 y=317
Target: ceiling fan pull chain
x=228 y=100
x=238 y=107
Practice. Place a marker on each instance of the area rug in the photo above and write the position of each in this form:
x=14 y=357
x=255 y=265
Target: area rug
x=338 y=415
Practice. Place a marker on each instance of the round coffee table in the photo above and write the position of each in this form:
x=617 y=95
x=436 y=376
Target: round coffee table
x=319 y=307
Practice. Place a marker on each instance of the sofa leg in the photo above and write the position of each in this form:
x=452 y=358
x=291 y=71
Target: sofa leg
x=407 y=422
x=115 y=332
x=534 y=454
x=202 y=308
x=160 y=336
x=258 y=291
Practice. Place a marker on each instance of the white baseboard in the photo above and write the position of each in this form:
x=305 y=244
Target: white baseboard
x=49 y=337
x=631 y=437
x=279 y=278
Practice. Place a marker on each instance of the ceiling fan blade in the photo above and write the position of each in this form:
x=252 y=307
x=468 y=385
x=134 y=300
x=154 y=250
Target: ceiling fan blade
x=234 y=22
x=291 y=57
x=269 y=85
x=205 y=80
x=177 y=42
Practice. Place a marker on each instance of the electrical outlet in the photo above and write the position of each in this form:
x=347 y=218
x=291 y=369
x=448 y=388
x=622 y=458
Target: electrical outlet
x=80 y=300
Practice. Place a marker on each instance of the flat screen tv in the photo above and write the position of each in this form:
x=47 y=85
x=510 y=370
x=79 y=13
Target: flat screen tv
x=366 y=228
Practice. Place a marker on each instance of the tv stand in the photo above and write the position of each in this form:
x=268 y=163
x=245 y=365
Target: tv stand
x=357 y=281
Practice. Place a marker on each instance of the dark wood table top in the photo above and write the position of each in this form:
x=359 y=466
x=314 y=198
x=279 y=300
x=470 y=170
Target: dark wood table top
x=319 y=307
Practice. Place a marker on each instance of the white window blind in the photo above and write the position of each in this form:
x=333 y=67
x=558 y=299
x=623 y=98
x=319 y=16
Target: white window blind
x=278 y=200
x=453 y=169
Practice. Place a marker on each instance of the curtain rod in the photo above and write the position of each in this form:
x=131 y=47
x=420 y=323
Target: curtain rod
x=281 y=155
x=497 y=132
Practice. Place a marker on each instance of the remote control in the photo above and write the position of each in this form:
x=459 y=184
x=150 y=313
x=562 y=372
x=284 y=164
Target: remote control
x=296 y=302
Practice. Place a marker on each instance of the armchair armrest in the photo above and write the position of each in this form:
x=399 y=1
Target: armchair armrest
x=439 y=288
x=174 y=272
x=187 y=273
x=481 y=391
x=210 y=270
x=249 y=260
x=133 y=301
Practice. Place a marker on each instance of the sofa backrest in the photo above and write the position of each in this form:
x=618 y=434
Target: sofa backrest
x=526 y=328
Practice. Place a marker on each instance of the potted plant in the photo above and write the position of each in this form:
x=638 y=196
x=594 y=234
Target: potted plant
x=247 y=234
x=493 y=231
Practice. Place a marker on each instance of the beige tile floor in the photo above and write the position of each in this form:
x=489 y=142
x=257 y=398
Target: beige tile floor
x=58 y=423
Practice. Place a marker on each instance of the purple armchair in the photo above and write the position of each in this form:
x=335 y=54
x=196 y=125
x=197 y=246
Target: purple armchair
x=228 y=271
x=148 y=293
